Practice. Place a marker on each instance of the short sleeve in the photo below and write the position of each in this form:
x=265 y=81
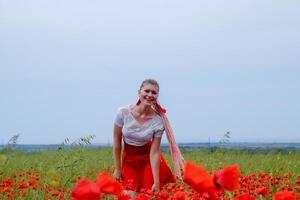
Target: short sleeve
x=119 y=120
x=158 y=133
x=159 y=129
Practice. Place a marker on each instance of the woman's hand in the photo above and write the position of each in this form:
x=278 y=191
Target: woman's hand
x=155 y=188
x=117 y=152
x=155 y=162
x=117 y=174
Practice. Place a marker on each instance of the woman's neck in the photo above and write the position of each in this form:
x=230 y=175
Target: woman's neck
x=144 y=109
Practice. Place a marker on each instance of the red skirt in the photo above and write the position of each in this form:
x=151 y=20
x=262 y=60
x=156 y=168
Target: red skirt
x=136 y=168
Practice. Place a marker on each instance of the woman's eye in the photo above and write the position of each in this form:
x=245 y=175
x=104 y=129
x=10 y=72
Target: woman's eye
x=153 y=92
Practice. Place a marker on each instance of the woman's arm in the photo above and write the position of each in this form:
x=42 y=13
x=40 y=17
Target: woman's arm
x=117 y=146
x=155 y=162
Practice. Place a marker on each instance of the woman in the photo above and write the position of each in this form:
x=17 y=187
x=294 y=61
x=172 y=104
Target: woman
x=141 y=126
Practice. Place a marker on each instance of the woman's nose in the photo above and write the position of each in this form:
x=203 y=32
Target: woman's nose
x=151 y=94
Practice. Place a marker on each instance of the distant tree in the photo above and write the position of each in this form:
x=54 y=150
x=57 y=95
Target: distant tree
x=225 y=139
x=11 y=144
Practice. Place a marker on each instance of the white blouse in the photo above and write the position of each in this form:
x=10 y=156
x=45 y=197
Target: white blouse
x=137 y=133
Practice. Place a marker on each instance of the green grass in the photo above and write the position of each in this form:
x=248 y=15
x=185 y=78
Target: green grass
x=248 y=162
x=94 y=160
x=67 y=164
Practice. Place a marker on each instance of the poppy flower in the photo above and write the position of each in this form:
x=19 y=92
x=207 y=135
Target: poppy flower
x=22 y=186
x=124 y=197
x=197 y=178
x=244 y=196
x=55 y=193
x=164 y=195
x=179 y=195
x=285 y=195
x=108 y=185
x=31 y=182
x=142 y=197
x=227 y=178
x=262 y=191
x=211 y=195
x=86 y=190
x=7 y=182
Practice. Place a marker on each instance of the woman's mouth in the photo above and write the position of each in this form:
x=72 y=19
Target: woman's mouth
x=149 y=100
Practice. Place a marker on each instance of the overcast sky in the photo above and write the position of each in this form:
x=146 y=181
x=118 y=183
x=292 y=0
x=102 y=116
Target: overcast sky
x=67 y=65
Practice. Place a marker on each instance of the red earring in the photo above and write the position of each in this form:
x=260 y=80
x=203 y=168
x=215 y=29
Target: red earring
x=138 y=102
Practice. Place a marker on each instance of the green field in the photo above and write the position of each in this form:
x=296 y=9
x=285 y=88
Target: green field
x=58 y=168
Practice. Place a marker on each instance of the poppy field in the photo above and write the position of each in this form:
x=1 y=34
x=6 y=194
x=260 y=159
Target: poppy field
x=83 y=173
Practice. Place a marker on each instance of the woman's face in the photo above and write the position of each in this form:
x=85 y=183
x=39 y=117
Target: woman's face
x=148 y=94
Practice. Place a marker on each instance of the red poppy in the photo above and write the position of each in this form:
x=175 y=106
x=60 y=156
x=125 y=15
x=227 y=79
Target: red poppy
x=86 y=190
x=31 y=182
x=124 y=197
x=285 y=195
x=164 y=195
x=142 y=197
x=7 y=182
x=211 y=195
x=179 y=195
x=55 y=193
x=22 y=186
x=245 y=196
x=197 y=178
x=149 y=192
x=227 y=178
x=24 y=193
x=262 y=191
x=108 y=185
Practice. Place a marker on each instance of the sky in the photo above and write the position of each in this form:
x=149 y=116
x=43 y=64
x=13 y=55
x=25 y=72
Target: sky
x=67 y=66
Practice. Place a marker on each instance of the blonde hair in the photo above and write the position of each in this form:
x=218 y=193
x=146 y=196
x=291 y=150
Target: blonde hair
x=149 y=81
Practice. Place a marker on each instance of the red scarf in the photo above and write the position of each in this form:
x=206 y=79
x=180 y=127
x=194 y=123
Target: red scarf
x=177 y=158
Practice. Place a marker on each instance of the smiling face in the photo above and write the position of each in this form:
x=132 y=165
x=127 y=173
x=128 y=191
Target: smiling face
x=148 y=94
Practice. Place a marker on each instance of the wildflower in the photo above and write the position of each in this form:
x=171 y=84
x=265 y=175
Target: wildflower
x=197 y=178
x=244 y=196
x=7 y=189
x=74 y=180
x=124 y=197
x=54 y=183
x=20 y=174
x=51 y=172
x=149 y=192
x=24 y=193
x=179 y=195
x=41 y=186
x=164 y=195
x=29 y=173
x=210 y=195
x=22 y=186
x=285 y=195
x=31 y=182
x=86 y=190
x=142 y=197
x=7 y=182
x=227 y=178
x=55 y=193
x=262 y=191
x=108 y=185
